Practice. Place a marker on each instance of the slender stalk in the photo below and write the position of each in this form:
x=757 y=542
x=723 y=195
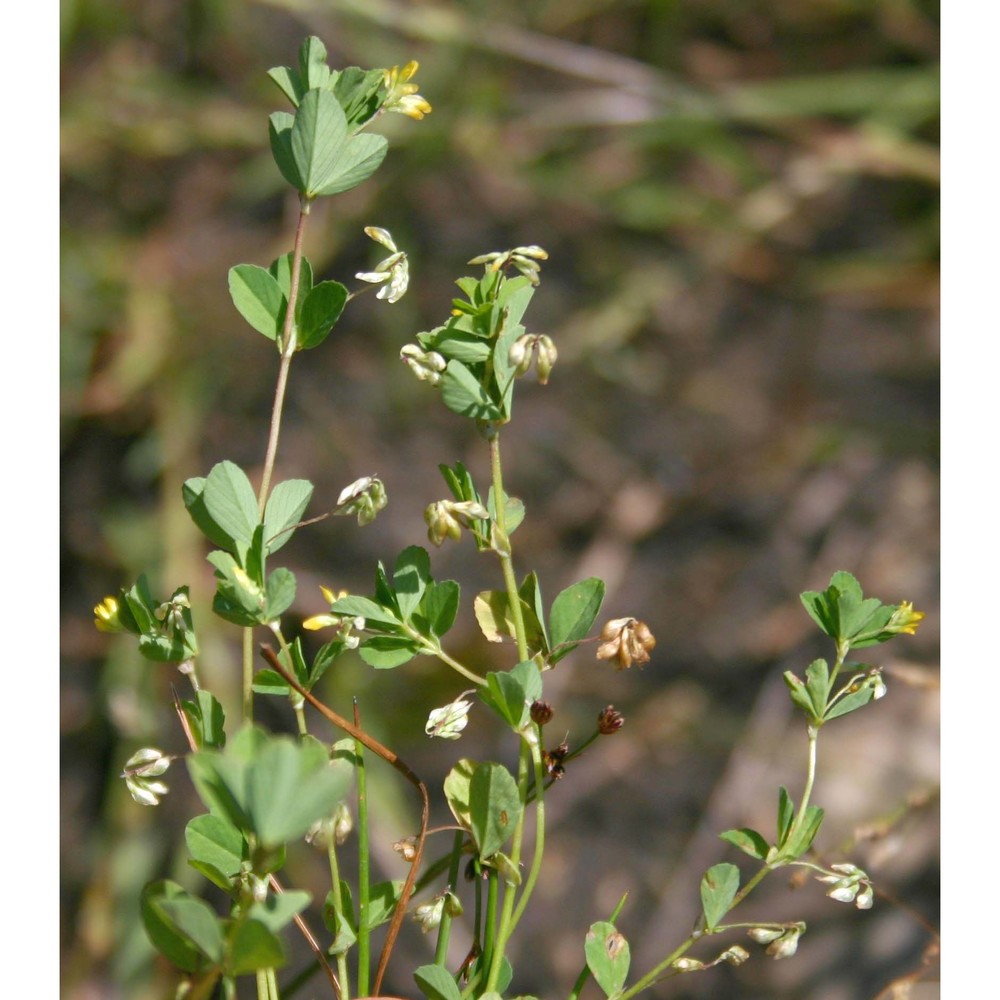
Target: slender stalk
x=536 y=861
x=287 y=348
x=506 y=562
x=444 y=928
x=490 y=928
x=503 y=935
x=813 y=734
x=364 y=868
x=338 y=908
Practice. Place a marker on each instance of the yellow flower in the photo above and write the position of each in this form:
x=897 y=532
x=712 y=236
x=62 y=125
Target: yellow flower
x=106 y=616
x=402 y=95
x=905 y=619
x=344 y=624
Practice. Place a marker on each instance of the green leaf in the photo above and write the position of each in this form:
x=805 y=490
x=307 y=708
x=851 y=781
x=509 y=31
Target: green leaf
x=387 y=651
x=327 y=158
x=341 y=925
x=436 y=983
x=270 y=786
x=281 y=269
x=574 y=610
x=231 y=502
x=800 y=695
x=719 y=886
x=252 y=947
x=456 y=791
x=288 y=81
x=749 y=841
x=440 y=606
x=270 y=682
x=320 y=311
x=410 y=578
x=279 y=909
x=318 y=137
x=182 y=927
x=850 y=703
x=494 y=807
x=258 y=298
x=207 y=719
x=818 y=686
x=285 y=506
x=193 y=493
x=217 y=848
x=313 y=69
x=513 y=510
x=608 y=957
x=462 y=394
x=238 y=599
x=382 y=900
x=460 y=345
x=510 y=693
x=786 y=813
x=798 y=844
x=280 y=593
x=280 y=127
x=289 y=786
x=359 y=93
x=531 y=594
x=375 y=615
x=492 y=612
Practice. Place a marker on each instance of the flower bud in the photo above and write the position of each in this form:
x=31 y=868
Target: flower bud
x=785 y=946
x=106 y=616
x=406 y=848
x=610 y=721
x=365 y=497
x=736 y=955
x=547 y=355
x=140 y=771
x=426 y=365
x=764 y=935
x=448 y=721
x=428 y=915
x=541 y=712
x=687 y=965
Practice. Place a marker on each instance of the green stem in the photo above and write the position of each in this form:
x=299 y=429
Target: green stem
x=287 y=347
x=444 y=929
x=338 y=908
x=490 y=944
x=364 y=871
x=430 y=648
x=813 y=734
x=506 y=561
x=536 y=861
x=506 y=916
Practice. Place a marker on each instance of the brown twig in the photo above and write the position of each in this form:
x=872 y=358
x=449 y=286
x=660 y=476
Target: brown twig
x=387 y=755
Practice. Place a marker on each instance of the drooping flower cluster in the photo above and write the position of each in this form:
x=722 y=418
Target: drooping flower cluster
x=140 y=774
x=627 y=641
x=365 y=497
x=393 y=273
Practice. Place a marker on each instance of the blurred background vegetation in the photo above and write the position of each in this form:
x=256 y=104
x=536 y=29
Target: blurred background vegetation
x=740 y=201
